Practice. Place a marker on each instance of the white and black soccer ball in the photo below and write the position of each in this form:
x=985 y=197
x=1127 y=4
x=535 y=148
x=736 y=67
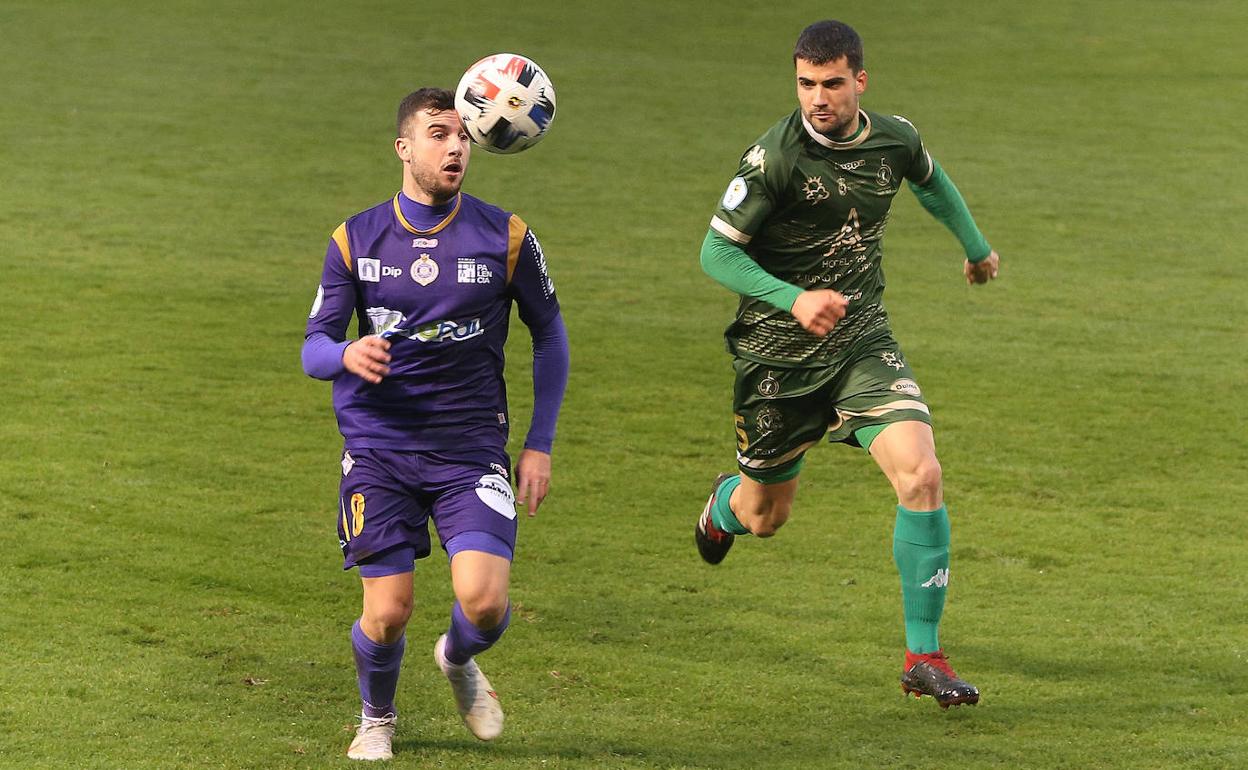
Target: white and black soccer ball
x=506 y=102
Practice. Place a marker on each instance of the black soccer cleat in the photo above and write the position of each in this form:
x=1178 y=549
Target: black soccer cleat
x=931 y=674
x=713 y=543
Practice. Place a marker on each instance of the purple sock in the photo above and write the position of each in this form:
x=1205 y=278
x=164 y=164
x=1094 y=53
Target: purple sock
x=377 y=668
x=463 y=639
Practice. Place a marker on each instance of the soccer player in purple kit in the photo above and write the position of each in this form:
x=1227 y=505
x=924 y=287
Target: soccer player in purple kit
x=420 y=400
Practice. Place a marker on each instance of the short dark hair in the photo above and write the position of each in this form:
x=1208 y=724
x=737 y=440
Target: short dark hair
x=826 y=41
x=431 y=99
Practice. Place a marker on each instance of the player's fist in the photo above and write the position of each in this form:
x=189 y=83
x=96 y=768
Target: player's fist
x=368 y=357
x=818 y=310
x=982 y=271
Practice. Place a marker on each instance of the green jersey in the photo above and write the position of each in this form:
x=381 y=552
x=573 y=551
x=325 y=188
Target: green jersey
x=811 y=211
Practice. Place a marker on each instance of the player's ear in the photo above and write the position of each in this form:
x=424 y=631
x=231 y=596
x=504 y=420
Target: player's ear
x=860 y=81
x=402 y=149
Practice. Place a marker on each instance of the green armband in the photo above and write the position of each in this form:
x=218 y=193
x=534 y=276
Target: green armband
x=733 y=268
x=942 y=200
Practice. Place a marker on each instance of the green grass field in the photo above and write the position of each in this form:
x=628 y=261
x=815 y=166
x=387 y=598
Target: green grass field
x=170 y=585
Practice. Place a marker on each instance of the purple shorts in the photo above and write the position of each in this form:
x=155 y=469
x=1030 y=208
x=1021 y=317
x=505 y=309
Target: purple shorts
x=386 y=498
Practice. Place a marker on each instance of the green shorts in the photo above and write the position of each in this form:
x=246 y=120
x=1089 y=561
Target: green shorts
x=780 y=413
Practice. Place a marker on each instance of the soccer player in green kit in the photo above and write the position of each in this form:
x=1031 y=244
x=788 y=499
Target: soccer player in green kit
x=798 y=235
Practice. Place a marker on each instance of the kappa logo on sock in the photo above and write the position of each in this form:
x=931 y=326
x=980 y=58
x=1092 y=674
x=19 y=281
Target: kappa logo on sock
x=939 y=580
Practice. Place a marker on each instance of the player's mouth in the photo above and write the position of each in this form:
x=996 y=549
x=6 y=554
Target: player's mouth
x=454 y=167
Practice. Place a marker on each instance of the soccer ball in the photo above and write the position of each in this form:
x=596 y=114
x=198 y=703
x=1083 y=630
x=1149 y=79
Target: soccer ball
x=506 y=102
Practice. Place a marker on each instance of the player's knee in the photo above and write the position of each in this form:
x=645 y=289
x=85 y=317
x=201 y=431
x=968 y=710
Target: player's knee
x=485 y=611
x=921 y=484
x=389 y=617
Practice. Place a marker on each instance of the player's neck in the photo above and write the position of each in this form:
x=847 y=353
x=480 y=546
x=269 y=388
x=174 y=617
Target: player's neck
x=852 y=130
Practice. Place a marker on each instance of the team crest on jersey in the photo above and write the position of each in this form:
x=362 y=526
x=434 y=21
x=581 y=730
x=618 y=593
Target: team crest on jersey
x=424 y=270
x=814 y=189
x=757 y=157
x=842 y=187
x=736 y=192
x=769 y=420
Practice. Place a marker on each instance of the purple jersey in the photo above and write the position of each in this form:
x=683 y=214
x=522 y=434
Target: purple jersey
x=442 y=296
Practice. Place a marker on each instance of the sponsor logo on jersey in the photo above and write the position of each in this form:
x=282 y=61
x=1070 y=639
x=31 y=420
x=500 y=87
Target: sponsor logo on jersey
x=769 y=386
x=442 y=331
x=494 y=490
x=468 y=270
x=424 y=270
x=885 y=175
x=391 y=272
x=383 y=319
x=736 y=192
x=814 y=189
x=424 y=243
x=316 y=303
x=892 y=359
x=907 y=386
x=368 y=269
x=855 y=164
x=939 y=580
x=757 y=157
x=348 y=462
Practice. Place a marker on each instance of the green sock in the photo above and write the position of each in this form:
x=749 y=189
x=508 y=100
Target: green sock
x=921 y=551
x=721 y=513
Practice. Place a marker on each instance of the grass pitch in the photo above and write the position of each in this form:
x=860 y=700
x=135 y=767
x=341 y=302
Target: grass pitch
x=172 y=596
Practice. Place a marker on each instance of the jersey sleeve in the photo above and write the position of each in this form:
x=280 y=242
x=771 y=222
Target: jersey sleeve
x=335 y=296
x=529 y=280
x=751 y=195
x=921 y=167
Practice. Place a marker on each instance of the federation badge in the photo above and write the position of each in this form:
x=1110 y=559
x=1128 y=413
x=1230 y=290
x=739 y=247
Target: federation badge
x=424 y=270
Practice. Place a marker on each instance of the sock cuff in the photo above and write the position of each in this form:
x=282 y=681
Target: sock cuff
x=926 y=528
x=721 y=513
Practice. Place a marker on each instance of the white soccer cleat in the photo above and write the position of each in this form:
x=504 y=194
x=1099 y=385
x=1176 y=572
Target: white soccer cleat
x=477 y=702
x=373 y=738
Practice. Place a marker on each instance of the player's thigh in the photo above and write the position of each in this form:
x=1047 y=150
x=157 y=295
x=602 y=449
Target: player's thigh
x=778 y=415
x=481 y=581
x=377 y=511
x=874 y=390
x=473 y=508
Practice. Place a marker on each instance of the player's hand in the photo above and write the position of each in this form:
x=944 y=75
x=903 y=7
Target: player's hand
x=367 y=357
x=532 y=479
x=982 y=271
x=818 y=310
